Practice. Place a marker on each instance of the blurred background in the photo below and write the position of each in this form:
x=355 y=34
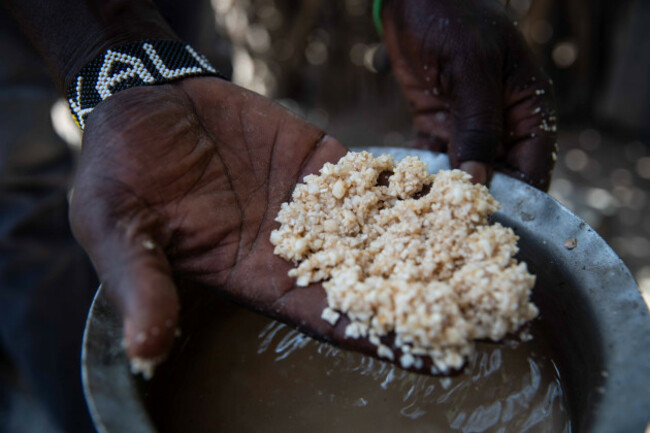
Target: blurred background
x=323 y=60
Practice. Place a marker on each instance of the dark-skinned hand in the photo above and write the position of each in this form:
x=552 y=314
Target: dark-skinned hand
x=184 y=181
x=474 y=87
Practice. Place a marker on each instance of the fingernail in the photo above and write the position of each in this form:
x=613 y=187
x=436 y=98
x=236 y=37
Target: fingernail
x=477 y=170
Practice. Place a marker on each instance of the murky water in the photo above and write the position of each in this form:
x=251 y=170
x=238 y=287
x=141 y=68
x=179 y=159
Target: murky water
x=245 y=373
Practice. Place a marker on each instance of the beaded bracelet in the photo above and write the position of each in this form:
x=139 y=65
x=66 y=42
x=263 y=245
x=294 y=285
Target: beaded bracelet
x=376 y=16
x=134 y=64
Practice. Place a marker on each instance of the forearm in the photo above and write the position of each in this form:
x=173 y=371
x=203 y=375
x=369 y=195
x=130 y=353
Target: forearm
x=70 y=33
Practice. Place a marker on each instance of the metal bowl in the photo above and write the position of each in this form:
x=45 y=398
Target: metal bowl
x=590 y=307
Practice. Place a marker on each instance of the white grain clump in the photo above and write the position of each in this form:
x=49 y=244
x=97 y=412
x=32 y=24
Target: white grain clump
x=144 y=366
x=428 y=269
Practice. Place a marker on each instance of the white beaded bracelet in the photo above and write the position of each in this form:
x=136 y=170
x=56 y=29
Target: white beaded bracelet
x=133 y=64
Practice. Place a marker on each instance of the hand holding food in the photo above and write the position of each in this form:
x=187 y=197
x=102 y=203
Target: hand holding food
x=408 y=257
x=184 y=181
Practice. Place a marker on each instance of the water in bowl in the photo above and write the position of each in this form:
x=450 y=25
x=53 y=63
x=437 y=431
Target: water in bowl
x=241 y=372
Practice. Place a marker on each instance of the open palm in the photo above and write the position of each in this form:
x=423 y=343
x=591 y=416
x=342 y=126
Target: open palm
x=185 y=180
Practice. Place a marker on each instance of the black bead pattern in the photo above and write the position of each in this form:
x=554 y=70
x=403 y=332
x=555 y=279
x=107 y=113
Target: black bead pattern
x=143 y=63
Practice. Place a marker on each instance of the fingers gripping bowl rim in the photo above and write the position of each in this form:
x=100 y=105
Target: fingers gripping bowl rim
x=595 y=314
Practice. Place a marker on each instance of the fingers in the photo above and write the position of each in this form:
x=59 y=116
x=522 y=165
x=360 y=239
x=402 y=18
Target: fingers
x=474 y=88
x=134 y=270
x=530 y=146
x=421 y=87
x=477 y=125
x=302 y=307
x=454 y=87
x=477 y=106
x=532 y=160
x=145 y=293
x=478 y=171
x=142 y=288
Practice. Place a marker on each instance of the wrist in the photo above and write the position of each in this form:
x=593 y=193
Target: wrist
x=133 y=64
x=120 y=23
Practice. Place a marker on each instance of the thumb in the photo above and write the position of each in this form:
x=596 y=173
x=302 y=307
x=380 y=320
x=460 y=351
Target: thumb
x=476 y=100
x=137 y=277
x=477 y=121
x=144 y=292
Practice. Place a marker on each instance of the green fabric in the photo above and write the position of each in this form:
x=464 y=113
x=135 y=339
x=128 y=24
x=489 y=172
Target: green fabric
x=376 y=16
